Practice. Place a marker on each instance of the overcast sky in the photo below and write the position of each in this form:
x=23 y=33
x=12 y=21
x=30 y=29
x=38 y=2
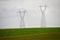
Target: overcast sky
x=9 y=17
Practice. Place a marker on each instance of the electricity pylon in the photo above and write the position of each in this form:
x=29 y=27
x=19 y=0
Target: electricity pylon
x=22 y=15
x=43 y=19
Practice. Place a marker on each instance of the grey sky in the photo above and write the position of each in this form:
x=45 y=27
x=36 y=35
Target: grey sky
x=10 y=19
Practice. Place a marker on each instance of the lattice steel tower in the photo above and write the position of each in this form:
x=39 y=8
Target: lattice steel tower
x=43 y=19
x=22 y=15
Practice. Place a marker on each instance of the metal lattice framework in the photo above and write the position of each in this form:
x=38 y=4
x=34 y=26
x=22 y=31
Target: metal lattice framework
x=43 y=19
x=22 y=15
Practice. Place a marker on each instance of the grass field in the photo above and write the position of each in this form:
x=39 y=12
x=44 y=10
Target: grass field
x=30 y=34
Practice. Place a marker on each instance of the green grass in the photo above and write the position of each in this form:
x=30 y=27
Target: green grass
x=30 y=34
x=26 y=31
